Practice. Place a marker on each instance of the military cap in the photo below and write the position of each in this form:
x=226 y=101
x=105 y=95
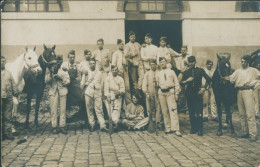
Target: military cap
x=100 y=40
x=92 y=59
x=161 y=59
x=209 y=61
x=191 y=59
x=86 y=52
x=119 y=41
x=72 y=52
x=185 y=46
x=246 y=58
x=148 y=35
x=59 y=57
x=163 y=39
x=131 y=33
x=153 y=61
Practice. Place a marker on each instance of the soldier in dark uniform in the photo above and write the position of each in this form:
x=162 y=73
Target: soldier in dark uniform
x=192 y=79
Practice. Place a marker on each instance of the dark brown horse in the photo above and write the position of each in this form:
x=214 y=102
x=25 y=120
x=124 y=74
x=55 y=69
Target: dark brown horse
x=34 y=85
x=224 y=91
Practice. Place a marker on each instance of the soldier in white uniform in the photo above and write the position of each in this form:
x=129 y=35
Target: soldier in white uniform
x=58 y=80
x=114 y=89
x=168 y=92
x=148 y=52
x=93 y=96
x=208 y=96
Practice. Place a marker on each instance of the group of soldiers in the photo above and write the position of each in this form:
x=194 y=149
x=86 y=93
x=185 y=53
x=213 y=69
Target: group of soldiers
x=137 y=81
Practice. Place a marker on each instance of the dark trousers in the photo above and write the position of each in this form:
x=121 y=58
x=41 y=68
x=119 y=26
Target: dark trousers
x=133 y=72
x=7 y=107
x=195 y=105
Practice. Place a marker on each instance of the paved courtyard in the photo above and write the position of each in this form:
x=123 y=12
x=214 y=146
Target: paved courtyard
x=82 y=148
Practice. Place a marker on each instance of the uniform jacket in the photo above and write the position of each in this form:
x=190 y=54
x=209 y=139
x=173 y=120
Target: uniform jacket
x=93 y=83
x=148 y=52
x=133 y=48
x=149 y=82
x=103 y=57
x=197 y=73
x=118 y=60
x=8 y=87
x=166 y=78
x=113 y=85
x=59 y=85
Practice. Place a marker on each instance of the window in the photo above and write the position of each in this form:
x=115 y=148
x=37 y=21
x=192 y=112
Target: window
x=151 y=6
x=32 y=6
x=250 y=6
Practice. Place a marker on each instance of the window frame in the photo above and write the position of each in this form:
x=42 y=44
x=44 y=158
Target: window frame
x=151 y=11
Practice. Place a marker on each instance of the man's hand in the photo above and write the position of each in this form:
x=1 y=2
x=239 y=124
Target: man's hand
x=202 y=90
x=109 y=99
x=176 y=97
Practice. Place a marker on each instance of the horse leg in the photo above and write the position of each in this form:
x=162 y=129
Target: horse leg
x=37 y=106
x=229 y=118
x=28 y=108
x=219 y=132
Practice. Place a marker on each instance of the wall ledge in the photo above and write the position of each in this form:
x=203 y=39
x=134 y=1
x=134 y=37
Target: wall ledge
x=62 y=16
x=223 y=15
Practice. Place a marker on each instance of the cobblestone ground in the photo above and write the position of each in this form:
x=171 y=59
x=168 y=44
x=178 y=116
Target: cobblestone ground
x=83 y=148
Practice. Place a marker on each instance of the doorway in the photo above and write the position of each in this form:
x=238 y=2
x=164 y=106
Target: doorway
x=172 y=29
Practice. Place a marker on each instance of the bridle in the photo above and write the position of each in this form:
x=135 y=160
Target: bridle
x=28 y=66
x=221 y=77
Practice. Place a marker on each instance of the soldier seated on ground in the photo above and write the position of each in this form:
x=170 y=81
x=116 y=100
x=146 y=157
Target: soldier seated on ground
x=134 y=116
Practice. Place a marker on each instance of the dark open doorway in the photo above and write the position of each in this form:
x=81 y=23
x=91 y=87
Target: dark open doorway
x=172 y=29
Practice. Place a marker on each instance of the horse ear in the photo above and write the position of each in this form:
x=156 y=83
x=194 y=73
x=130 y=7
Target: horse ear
x=228 y=56
x=34 y=48
x=53 y=48
x=45 y=48
x=26 y=48
x=218 y=55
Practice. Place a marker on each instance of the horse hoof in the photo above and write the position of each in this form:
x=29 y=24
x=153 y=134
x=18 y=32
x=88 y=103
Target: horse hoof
x=233 y=135
x=219 y=133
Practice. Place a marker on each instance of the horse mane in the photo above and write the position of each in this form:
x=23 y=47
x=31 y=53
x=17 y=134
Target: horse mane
x=12 y=68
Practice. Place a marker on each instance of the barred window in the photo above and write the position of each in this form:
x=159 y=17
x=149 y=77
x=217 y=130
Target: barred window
x=31 y=6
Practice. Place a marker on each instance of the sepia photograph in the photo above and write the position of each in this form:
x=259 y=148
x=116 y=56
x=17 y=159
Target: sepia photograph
x=130 y=83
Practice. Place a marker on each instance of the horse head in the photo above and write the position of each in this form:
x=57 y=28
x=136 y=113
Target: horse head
x=224 y=66
x=48 y=56
x=31 y=61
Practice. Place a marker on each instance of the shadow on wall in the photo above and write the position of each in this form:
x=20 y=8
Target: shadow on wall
x=204 y=53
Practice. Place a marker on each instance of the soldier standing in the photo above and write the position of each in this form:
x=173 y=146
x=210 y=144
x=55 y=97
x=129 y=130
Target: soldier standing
x=101 y=55
x=168 y=92
x=58 y=80
x=245 y=80
x=93 y=96
x=8 y=90
x=148 y=52
x=192 y=78
x=133 y=55
x=208 y=96
x=149 y=89
x=114 y=89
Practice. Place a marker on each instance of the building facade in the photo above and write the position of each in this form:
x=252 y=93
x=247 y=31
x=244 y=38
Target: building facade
x=206 y=27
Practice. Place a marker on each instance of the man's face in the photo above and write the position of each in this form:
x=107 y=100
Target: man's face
x=183 y=51
x=114 y=72
x=163 y=64
x=3 y=62
x=162 y=43
x=71 y=58
x=192 y=64
x=59 y=63
x=244 y=63
x=153 y=66
x=92 y=65
x=209 y=66
x=121 y=46
x=132 y=38
x=148 y=40
x=87 y=56
x=134 y=99
x=100 y=45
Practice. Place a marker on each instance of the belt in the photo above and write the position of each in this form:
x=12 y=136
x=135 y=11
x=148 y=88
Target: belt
x=166 y=90
x=246 y=88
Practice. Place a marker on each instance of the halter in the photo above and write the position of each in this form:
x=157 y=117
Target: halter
x=27 y=65
x=44 y=60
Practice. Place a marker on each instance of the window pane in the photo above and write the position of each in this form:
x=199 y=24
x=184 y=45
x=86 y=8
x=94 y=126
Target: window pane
x=23 y=7
x=131 y=6
x=32 y=7
x=54 y=8
x=160 y=6
x=9 y=7
x=144 y=6
x=40 y=7
x=152 y=6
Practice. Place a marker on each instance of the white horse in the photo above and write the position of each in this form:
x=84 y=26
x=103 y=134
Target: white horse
x=27 y=60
